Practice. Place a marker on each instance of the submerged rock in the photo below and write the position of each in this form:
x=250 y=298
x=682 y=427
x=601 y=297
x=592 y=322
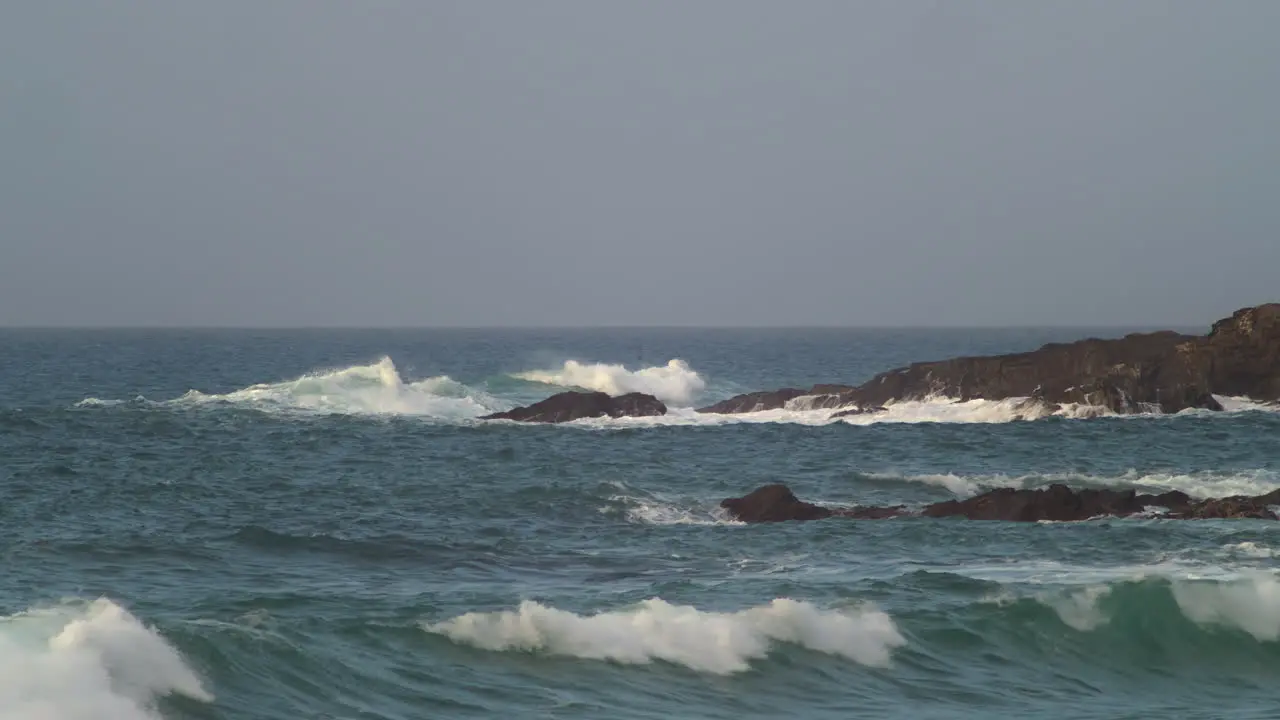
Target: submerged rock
x=1141 y=372
x=773 y=503
x=574 y=405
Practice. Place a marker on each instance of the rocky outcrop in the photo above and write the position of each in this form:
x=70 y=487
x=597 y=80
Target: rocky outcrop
x=773 y=503
x=1241 y=355
x=1057 y=502
x=818 y=397
x=573 y=405
x=1141 y=372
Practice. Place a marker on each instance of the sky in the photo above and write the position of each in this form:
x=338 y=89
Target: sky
x=560 y=163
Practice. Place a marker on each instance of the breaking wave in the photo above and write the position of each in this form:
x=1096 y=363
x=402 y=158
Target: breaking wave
x=712 y=642
x=362 y=389
x=674 y=383
x=1250 y=604
x=87 y=661
x=1204 y=484
x=375 y=389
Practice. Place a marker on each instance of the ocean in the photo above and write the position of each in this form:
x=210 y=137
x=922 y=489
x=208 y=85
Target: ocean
x=271 y=524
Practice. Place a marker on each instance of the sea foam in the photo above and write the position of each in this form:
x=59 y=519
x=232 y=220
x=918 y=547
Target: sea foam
x=654 y=509
x=674 y=383
x=1202 y=484
x=91 y=661
x=1251 y=604
x=377 y=388
x=711 y=642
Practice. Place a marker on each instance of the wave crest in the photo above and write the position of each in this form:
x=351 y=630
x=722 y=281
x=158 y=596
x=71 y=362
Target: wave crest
x=86 y=662
x=674 y=383
x=720 y=643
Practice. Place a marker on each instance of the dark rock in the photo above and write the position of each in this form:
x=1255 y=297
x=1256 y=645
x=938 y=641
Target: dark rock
x=1241 y=355
x=818 y=397
x=573 y=405
x=1056 y=502
x=870 y=512
x=857 y=411
x=1141 y=372
x=1174 y=500
x=773 y=503
x=754 y=402
x=1233 y=507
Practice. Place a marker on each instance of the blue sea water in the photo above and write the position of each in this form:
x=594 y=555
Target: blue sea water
x=314 y=524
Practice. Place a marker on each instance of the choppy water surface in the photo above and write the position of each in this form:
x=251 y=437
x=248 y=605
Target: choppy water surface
x=235 y=524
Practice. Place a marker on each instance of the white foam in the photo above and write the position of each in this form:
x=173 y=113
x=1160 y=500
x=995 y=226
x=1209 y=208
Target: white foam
x=361 y=389
x=800 y=412
x=712 y=642
x=1243 y=404
x=1204 y=484
x=91 y=661
x=1079 y=608
x=1250 y=549
x=98 y=402
x=946 y=410
x=961 y=485
x=661 y=511
x=1053 y=573
x=674 y=383
x=1251 y=604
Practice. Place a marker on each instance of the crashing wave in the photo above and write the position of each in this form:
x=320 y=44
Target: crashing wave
x=712 y=642
x=375 y=389
x=674 y=383
x=81 y=661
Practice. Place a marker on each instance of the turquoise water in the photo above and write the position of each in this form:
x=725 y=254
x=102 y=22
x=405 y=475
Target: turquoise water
x=312 y=524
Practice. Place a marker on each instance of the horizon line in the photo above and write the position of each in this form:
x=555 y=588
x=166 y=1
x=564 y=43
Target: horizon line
x=1047 y=326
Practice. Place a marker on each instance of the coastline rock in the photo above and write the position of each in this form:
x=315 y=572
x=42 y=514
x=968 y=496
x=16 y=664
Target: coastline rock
x=818 y=397
x=754 y=402
x=1140 y=372
x=1057 y=502
x=574 y=405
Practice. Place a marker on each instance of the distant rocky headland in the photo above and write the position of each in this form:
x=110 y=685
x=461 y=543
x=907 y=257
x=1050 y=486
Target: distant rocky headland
x=1139 y=373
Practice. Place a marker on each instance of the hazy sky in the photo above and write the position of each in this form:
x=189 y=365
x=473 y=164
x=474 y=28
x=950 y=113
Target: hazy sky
x=314 y=162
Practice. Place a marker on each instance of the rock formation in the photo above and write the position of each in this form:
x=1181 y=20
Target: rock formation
x=773 y=503
x=573 y=405
x=1141 y=372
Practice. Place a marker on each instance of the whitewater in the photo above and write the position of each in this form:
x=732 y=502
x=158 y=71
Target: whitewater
x=283 y=524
